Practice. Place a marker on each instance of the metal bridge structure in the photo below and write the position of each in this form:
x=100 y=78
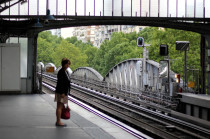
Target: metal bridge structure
x=17 y=19
x=88 y=73
x=18 y=16
x=129 y=75
x=128 y=78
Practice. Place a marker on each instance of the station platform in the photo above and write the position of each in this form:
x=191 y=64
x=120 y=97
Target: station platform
x=33 y=117
x=202 y=100
x=196 y=105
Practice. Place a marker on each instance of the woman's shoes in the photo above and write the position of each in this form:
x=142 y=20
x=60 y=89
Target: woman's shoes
x=56 y=124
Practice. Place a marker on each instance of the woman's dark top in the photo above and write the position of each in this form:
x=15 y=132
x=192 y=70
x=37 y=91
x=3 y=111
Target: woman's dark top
x=63 y=83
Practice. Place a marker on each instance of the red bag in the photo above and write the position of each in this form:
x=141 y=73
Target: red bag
x=65 y=114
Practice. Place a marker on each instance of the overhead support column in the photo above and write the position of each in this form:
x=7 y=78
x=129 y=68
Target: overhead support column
x=207 y=43
x=203 y=65
x=32 y=54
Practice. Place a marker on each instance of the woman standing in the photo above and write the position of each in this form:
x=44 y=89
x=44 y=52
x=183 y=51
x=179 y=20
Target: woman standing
x=62 y=89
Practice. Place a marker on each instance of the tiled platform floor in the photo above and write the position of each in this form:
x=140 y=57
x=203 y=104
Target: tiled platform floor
x=33 y=117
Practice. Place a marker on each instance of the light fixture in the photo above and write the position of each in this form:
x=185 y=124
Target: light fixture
x=37 y=24
x=48 y=16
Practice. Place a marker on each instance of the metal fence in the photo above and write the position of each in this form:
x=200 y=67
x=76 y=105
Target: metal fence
x=130 y=8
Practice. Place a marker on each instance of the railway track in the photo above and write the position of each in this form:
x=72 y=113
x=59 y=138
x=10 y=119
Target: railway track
x=153 y=123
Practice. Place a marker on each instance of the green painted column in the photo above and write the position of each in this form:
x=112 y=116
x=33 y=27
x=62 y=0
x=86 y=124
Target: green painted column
x=207 y=43
x=32 y=54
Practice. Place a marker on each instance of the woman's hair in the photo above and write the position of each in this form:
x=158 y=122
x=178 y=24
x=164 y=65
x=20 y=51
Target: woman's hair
x=65 y=61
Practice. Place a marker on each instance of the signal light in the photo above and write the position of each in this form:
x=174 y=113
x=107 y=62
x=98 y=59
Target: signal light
x=140 y=41
x=163 y=50
x=177 y=76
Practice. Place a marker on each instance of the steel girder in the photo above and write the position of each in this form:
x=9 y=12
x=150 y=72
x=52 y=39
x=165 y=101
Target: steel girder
x=6 y=5
x=23 y=27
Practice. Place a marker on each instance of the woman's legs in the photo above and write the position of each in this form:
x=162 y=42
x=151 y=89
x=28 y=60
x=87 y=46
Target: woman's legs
x=58 y=112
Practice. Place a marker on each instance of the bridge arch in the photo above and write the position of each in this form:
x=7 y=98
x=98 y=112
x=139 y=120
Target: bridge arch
x=128 y=75
x=87 y=73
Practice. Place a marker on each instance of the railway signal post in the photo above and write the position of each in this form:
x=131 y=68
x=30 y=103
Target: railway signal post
x=140 y=43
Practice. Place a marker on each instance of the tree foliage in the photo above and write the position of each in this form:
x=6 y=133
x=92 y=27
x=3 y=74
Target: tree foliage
x=71 y=52
x=169 y=37
x=52 y=49
x=120 y=47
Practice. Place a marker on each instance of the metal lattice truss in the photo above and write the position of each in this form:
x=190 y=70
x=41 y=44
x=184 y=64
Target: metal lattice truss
x=6 y=4
x=17 y=18
x=125 y=80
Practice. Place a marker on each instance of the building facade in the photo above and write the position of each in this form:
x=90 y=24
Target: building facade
x=97 y=34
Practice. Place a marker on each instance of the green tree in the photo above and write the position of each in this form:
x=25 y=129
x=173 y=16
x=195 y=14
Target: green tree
x=72 y=40
x=169 y=37
x=52 y=48
x=120 y=47
x=91 y=53
x=44 y=51
x=71 y=52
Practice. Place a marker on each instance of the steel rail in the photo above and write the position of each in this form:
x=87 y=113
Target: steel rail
x=150 y=112
x=132 y=106
x=104 y=116
x=127 y=95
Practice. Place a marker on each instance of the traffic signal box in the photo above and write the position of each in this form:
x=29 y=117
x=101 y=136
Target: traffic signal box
x=140 y=41
x=163 y=50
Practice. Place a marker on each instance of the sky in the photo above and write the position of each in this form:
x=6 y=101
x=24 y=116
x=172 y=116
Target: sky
x=66 y=32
